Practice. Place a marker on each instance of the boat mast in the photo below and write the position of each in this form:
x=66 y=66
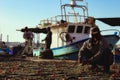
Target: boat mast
x=61 y=8
x=73 y=5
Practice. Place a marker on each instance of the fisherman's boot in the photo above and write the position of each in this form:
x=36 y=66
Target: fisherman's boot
x=106 y=69
x=80 y=59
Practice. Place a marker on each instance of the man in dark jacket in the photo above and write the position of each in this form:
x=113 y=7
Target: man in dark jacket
x=48 y=38
x=95 y=51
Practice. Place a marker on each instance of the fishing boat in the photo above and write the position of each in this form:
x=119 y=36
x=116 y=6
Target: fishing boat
x=70 y=30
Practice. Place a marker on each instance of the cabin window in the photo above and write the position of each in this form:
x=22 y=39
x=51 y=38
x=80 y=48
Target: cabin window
x=79 y=29
x=87 y=30
x=71 y=28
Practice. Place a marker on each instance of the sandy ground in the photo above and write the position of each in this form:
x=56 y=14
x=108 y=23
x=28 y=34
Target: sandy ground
x=42 y=69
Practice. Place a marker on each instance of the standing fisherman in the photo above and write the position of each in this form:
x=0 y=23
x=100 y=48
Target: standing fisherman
x=28 y=36
x=48 y=39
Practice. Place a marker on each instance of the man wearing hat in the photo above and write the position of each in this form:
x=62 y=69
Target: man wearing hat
x=91 y=21
x=95 y=51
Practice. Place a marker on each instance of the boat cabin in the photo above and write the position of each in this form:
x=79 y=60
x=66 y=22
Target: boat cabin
x=74 y=33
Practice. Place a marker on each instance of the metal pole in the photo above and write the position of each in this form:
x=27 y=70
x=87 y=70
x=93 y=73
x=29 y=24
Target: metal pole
x=61 y=8
x=7 y=39
x=0 y=37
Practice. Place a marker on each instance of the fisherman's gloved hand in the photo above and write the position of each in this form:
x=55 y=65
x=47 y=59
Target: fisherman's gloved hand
x=90 y=61
x=84 y=61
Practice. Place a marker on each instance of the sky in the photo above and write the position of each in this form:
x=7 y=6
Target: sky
x=16 y=14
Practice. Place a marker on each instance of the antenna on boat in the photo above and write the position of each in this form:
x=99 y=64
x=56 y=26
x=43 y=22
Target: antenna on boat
x=87 y=6
x=60 y=2
x=0 y=37
x=73 y=3
x=75 y=15
x=61 y=8
x=7 y=39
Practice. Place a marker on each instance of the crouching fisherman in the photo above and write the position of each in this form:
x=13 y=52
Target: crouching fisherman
x=96 y=51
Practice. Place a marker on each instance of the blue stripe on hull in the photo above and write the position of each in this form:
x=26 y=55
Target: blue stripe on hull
x=71 y=51
x=68 y=52
x=71 y=56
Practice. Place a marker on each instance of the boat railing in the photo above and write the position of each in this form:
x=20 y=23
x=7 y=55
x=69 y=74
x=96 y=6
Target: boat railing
x=58 y=18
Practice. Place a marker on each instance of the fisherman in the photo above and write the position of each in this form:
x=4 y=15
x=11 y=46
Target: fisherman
x=96 y=51
x=91 y=21
x=4 y=45
x=48 y=38
x=28 y=36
